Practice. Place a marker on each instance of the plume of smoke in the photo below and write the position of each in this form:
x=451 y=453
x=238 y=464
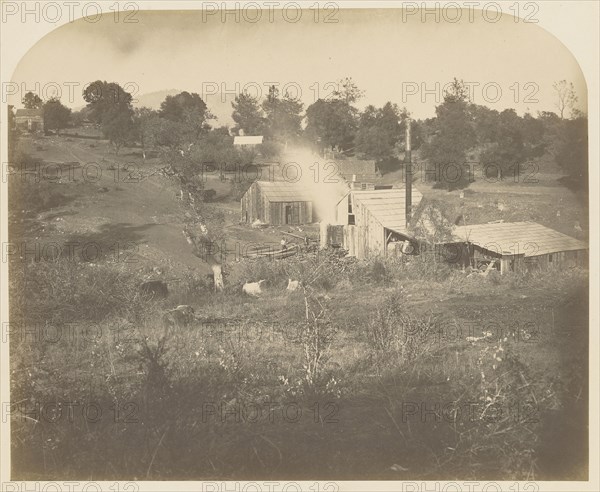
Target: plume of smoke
x=317 y=177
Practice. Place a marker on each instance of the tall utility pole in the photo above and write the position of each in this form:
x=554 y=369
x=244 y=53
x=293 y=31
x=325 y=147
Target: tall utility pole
x=408 y=173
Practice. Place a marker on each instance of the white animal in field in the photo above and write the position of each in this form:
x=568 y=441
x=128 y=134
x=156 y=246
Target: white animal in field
x=252 y=288
x=292 y=285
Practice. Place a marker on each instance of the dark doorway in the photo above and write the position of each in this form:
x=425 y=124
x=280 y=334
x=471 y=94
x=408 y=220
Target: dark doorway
x=292 y=213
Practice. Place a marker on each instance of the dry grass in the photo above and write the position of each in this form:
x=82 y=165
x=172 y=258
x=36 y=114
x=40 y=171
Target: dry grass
x=364 y=372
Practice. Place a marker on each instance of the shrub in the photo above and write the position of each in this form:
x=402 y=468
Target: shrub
x=394 y=329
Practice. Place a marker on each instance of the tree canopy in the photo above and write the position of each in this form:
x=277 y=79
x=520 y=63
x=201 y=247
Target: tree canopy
x=283 y=116
x=110 y=106
x=56 y=115
x=248 y=115
x=379 y=131
x=104 y=97
x=32 y=101
x=188 y=109
x=331 y=124
x=454 y=136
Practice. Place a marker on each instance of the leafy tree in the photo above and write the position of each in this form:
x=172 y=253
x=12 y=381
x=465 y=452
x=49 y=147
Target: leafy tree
x=454 y=136
x=565 y=97
x=270 y=149
x=222 y=130
x=110 y=105
x=572 y=151
x=161 y=132
x=248 y=115
x=348 y=91
x=56 y=115
x=508 y=151
x=283 y=116
x=118 y=127
x=32 y=101
x=145 y=122
x=331 y=124
x=485 y=123
x=533 y=135
x=379 y=131
x=77 y=118
x=104 y=98
x=431 y=224
x=457 y=92
x=11 y=118
x=188 y=109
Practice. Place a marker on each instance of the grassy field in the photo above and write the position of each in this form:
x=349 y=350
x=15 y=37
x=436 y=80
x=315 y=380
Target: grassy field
x=377 y=369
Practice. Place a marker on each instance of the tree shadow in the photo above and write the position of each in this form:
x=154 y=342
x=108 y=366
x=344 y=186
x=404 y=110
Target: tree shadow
x=118 y=242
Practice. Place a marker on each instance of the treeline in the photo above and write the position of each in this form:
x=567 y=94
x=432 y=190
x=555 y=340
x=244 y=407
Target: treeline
x=461 y=132
x=502 y=141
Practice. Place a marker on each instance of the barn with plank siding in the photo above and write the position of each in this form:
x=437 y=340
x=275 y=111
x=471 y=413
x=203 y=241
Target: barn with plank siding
x=516 y=246
x=370 y=221
x=356 y=170
x=277 y=203
x=31 y=120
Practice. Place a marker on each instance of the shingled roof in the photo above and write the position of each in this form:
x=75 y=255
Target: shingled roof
x=529 y=238
x=247 y=140
x=27 y=113
x=388 y=206
x=355 y=166
x=284 y=191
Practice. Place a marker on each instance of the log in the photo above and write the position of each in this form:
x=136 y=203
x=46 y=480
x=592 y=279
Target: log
x=218 y=277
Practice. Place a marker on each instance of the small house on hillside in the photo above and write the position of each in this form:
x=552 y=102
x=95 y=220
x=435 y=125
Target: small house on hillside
x=371 y=222
x=516 y=246
x=277 y=203
x=359 y=174
x=31 y=120
x=247 y=141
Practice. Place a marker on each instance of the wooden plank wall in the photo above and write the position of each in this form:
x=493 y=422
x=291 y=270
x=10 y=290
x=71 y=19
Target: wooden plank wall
x=355 y=240
x=252 y=205
x=301 y=212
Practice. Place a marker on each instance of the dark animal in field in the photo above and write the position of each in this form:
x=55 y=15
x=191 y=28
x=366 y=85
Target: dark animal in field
x=156 y=289
x=180 y=316
x=209 y=195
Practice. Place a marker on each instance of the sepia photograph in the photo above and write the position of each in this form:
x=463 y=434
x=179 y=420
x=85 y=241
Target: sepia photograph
x=295 y=246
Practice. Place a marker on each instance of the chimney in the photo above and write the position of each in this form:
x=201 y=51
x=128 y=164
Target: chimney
x=408 y=174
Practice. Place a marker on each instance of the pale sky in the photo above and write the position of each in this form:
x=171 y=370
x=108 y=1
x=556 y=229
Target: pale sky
x=390 y=57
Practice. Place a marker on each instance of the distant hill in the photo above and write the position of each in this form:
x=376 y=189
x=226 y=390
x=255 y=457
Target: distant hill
x=221 y=109
x=153 y=99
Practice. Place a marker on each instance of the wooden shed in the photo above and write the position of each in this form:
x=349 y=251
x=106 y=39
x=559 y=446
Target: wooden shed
x=517 y=246
x=31 y=120
x=373 y=219
x=244 y=140
x=357 y=170
x=277 y=203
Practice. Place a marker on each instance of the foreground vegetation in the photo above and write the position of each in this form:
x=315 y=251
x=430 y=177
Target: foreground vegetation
x=372 y=370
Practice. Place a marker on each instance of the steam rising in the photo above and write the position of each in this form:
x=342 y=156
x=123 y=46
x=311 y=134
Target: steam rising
x=316 y=176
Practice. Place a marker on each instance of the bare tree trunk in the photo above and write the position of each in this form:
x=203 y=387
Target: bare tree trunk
x=218 y=277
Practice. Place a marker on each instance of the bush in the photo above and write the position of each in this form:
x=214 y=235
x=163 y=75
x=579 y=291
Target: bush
x=270 y=149
x=209 y=195
x=394 y=329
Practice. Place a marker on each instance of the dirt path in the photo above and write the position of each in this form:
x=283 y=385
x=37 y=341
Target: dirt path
x=117 y=209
